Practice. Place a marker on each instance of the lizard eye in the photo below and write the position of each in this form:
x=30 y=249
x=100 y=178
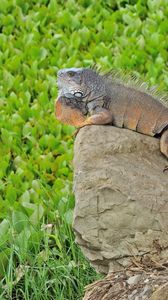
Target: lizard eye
x=78 y=94
x=71 y=73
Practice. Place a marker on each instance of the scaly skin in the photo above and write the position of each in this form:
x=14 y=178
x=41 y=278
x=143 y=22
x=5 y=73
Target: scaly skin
x=87 y=98
x=73 y=116
x=68 y=115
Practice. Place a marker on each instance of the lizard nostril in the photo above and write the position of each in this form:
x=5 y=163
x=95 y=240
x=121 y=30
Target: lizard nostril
x=59 y=73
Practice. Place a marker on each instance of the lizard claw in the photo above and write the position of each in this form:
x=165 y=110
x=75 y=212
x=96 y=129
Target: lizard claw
x=75 y=133
x=81 y=126
x=165 y=169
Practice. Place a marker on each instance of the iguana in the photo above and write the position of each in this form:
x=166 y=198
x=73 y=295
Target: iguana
x=86 y=98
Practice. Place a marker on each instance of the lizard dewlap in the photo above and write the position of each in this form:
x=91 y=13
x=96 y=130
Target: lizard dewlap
x=88 y=98
x=68 y=114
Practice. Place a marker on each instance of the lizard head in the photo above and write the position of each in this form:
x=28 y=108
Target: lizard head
x=82 y=84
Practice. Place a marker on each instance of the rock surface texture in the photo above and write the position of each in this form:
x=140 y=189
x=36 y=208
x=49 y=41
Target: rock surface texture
x=121 y=212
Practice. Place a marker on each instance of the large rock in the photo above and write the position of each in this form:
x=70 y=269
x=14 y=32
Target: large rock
x=121 y=192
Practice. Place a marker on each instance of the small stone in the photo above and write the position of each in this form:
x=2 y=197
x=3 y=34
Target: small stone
x=134 y=279
x=147 y=291
x=134 y=292
x=130 y=297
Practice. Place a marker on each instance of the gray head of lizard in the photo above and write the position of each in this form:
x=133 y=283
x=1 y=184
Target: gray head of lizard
x=82 y=84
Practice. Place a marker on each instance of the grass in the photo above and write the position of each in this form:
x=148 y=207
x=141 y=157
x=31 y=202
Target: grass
x=38 y=256
x=49 y=271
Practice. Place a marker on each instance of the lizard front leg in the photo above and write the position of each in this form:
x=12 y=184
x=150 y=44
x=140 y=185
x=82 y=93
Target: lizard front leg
x=164 y=145
x=100 y=116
